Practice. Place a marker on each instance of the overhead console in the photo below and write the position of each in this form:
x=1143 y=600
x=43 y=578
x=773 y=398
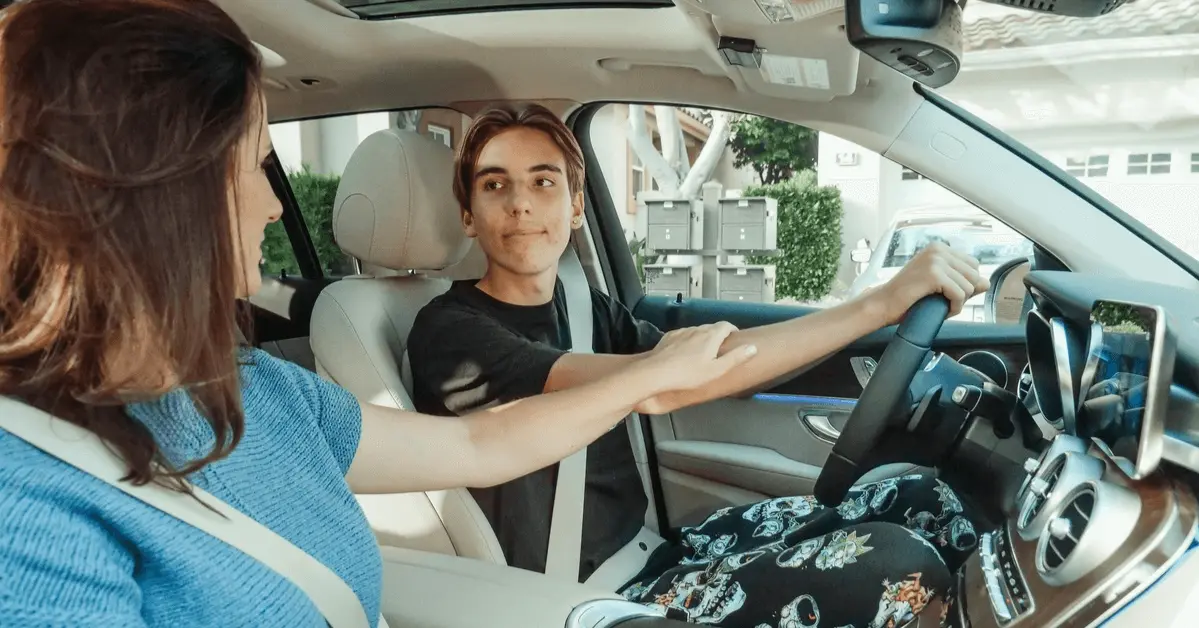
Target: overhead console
x=921 y=39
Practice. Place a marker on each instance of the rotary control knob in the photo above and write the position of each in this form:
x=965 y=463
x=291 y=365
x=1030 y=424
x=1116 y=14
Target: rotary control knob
x=1060 y=528
x=1031 y=465
x=1038 y=486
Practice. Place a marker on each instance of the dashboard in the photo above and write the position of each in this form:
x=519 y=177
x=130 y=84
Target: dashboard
x=1108 y=505
x=1065 y=343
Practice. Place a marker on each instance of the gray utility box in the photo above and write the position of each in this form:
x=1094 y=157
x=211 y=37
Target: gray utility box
x=669 y=280
x=676 y=225
x=749 y=224
x=745 y=283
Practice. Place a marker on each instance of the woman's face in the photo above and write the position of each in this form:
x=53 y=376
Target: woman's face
x=253 y=202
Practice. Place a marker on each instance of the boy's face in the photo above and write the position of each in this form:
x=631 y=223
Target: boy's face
x=522 y=211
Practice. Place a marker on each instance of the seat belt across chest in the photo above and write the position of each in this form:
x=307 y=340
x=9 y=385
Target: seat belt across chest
x=566 y=523
x=83 y=450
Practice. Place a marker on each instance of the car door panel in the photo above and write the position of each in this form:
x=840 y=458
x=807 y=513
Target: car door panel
x=774 y=443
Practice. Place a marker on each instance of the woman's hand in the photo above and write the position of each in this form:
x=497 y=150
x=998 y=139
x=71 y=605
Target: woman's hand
x=936 y=269
x=690 y=358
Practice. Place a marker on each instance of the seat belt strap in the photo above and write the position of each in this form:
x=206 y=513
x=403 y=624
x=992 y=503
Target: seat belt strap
x=83 y=450
x=566 y=523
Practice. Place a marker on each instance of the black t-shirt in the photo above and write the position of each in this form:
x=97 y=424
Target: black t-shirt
x=469 y=350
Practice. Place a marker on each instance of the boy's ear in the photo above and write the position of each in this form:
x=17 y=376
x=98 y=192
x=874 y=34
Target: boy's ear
x=468 y=224
x=576 y=211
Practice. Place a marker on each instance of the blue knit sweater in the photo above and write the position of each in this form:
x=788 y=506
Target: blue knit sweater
x=75 y=551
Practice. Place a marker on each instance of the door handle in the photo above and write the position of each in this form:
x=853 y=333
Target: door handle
x=820 y=427
x=863 y=368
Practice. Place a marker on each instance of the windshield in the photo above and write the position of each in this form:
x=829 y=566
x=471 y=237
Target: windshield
x=1113 y=100
x=988 y=244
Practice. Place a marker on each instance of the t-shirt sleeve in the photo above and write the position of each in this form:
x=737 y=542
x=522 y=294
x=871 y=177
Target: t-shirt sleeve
x=468 y=360
x=629 y=334
x=337 y=411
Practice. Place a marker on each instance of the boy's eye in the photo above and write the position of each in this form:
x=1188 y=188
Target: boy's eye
x=545 y=183
x=492 y=185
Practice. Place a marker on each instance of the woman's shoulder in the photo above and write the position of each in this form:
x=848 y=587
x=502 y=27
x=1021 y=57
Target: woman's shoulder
x=62 y=521
x=277 y=392
x=39 y=485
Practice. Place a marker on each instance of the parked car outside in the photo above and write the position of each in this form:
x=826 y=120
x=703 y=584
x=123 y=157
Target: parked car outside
x=965 y=228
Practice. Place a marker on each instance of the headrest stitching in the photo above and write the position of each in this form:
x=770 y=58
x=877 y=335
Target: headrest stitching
x=412 y=180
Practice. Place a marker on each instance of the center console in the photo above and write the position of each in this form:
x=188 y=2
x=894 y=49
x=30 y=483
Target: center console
x=1082 y=541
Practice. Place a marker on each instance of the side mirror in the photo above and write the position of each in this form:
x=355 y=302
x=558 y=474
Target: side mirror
x=921 y=39
x=859 y=256
x=1007 y=298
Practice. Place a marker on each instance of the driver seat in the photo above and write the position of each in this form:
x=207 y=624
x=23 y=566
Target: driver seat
x=394 y=211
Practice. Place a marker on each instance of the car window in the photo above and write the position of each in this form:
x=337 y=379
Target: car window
x=793 y=216
x=1110 y=99
x=314 y=153
x=990 y=242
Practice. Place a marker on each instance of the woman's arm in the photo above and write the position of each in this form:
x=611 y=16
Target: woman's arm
x=406 y=451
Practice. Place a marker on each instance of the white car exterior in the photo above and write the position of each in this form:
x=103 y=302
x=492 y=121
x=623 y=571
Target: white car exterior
x=963 y=227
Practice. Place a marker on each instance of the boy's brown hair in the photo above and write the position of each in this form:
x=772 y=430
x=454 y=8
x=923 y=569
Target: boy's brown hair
x=499 y=119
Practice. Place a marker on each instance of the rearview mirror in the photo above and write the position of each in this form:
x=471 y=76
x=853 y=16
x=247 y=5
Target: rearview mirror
x=1007 y=299
x=920 y=38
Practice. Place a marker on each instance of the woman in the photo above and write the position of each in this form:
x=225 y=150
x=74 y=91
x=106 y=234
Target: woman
x=133 y=203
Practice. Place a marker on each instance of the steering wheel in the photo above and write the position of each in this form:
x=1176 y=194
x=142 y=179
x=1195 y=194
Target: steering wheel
x=886 y=390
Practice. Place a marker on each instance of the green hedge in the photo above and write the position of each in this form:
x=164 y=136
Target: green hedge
x=809 y=236
x=315 y=194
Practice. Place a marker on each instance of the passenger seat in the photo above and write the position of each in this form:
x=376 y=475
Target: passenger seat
x=395 y=212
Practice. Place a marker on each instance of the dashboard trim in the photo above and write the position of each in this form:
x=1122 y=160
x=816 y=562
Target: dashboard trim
x=1157 y=398
x=1164 y=529
x=1094 y=349
x=1059 y=334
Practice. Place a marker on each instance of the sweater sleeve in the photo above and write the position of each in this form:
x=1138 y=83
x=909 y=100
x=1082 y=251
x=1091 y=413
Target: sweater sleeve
x=59 y=564
x=336 y=410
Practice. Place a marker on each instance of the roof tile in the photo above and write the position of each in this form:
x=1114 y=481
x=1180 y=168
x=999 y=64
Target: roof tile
x=1141 y=18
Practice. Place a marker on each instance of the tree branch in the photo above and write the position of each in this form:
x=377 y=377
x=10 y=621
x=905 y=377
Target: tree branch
x=709 y=156
x=653 y=161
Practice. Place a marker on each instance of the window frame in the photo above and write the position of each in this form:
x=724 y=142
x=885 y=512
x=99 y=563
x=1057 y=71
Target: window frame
x=443 y=134
x=1149 y=163
x=293 y=221
x=620 y=271
x=1089 y=166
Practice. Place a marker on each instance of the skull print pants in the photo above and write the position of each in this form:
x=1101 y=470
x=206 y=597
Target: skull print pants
x=875 y=561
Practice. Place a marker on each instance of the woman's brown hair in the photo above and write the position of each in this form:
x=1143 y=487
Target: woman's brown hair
x=119 y=125
x=494 y=121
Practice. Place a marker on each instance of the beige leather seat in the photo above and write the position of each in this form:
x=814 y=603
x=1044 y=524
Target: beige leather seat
x=395 y=212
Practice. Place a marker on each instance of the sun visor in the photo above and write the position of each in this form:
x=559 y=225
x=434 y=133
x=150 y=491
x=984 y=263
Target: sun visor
x=804 y=58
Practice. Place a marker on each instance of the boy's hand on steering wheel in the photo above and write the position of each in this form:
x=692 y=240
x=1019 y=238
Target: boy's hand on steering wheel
x=936 y=269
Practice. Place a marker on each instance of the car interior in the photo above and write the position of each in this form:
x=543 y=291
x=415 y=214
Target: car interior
x=1086 y=524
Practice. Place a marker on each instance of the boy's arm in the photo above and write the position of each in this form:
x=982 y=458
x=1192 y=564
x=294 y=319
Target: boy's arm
x=790 y=346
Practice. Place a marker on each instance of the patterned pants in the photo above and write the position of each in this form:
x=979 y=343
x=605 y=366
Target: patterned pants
x=875 y=561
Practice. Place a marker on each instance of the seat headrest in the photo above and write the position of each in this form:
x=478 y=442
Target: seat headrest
x=395 y=206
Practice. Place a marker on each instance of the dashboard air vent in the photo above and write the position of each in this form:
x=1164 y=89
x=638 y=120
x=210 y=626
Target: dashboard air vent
x=1039 y=490
x=1024 y=386
x=1065 y=530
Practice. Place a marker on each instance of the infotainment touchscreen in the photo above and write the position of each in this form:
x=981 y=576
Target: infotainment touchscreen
x=1126 y=382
